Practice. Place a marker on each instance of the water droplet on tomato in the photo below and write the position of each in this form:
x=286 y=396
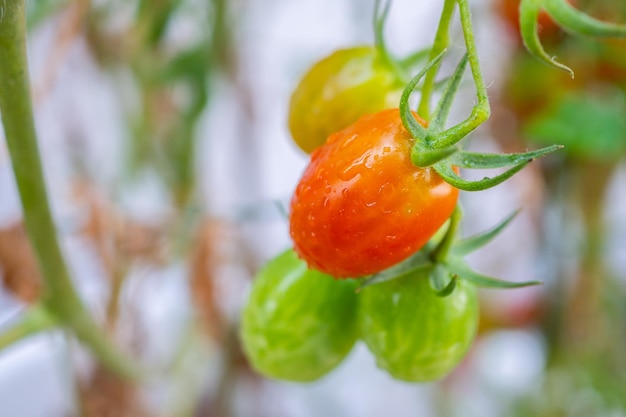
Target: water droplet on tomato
x=348 y=141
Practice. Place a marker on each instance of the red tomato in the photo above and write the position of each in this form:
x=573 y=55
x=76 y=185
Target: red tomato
x=361 y=205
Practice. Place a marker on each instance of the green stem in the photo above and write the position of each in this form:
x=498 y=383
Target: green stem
x=472 y=52
x=380 y=19
x=35 y=320
x=481 y=111
x=440 y=253
x=60 y=297
x=442 y=40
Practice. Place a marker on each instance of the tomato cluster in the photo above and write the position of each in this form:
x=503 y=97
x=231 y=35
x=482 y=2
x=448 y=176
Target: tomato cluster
x=361 y=207
x=299 y=323
x=380 y=185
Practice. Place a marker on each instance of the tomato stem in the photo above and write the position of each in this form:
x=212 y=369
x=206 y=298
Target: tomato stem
x=440 y=253
x=481 y=111
x=380 y=18
x=36 y=319
x=442 y=40
x=573 y=20
x=60 y=296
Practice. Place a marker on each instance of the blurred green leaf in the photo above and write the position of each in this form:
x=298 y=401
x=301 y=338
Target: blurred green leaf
x=589 y=126
x=38 y=11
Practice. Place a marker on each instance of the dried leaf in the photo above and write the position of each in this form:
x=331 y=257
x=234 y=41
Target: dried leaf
x=108 y=395
x=19 y=272
x=207 y=255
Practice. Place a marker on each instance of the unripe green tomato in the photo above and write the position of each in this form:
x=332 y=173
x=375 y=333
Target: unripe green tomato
x=414 y=334
x=299 y=323
x=337 y=91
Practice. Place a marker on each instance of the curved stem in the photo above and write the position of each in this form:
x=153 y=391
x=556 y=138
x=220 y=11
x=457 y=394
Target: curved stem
x=60 y=297
x=481 y=111
x=577 y=22
x=442 y=40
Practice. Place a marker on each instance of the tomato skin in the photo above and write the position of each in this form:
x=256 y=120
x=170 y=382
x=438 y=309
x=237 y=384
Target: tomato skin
x=338 y=90
x=361 y=205
x=298 y=324
x=414 y=334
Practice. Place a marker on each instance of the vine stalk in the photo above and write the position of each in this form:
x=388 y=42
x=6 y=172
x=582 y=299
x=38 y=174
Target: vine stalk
x=442 y=40
x=60 y=298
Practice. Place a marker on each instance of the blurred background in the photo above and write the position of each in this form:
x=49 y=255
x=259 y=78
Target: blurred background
x=163 y=133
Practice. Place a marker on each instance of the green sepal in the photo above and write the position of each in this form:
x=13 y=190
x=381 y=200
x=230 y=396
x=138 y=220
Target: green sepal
x=449 y=289
x=476 y=160
x=440 y=115
x=441 y=281
x=577 y=22
x=409 y=122
x=461 y=269
x=423 y=158
x=417 y=263
x=468 y=245
x=529 y=27
x=447 y=173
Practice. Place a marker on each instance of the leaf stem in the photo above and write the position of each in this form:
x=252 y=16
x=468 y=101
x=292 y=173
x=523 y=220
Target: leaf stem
x=60 y=297
x=442 y=40
x=35 y=320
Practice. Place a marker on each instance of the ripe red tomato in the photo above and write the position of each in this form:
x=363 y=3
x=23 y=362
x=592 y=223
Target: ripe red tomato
x=338 y=90
x=361 y=206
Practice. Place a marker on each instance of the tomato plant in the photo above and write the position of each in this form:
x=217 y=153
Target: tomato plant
x=369 y=205
x=338 y=90
x=415 y=334
x=298 y=323
x=361 y=205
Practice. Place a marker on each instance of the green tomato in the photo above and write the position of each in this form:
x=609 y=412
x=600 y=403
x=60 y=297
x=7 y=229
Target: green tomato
x=414 y=334
x=299 y=323
x=337 y=91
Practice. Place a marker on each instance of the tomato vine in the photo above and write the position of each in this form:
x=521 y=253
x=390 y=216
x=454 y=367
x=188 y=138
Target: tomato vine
x=61 y=304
